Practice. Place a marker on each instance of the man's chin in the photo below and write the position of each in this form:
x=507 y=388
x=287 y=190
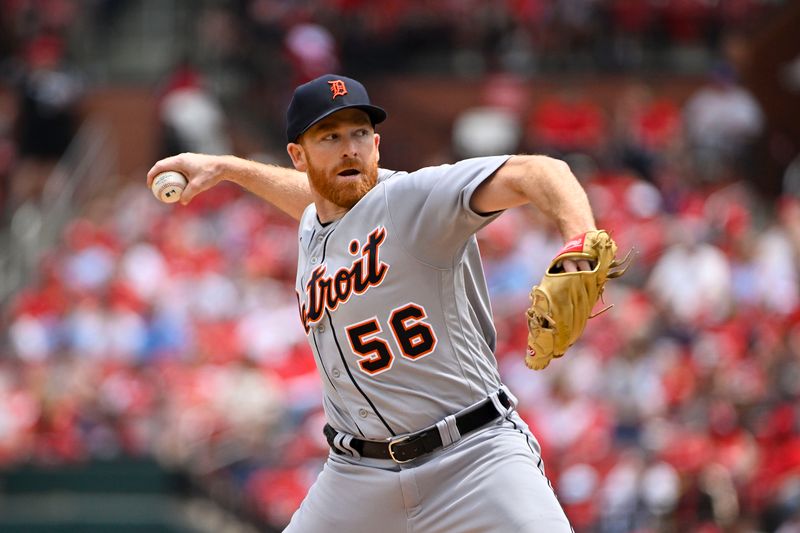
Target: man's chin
x=349 y=199
x=344 y=190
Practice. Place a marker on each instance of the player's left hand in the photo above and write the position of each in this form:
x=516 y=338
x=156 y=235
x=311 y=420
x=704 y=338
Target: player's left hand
x=562 y=303
x=571 y=265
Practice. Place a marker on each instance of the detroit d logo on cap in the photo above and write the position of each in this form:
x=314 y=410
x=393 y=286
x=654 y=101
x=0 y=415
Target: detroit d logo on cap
x=337 y=88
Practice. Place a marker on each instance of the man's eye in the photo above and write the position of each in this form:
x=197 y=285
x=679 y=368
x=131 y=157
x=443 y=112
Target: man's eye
x=330 y=137
x=362 y=132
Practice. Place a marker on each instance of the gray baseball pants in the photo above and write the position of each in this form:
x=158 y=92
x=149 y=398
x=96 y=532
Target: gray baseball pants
x=491 y=481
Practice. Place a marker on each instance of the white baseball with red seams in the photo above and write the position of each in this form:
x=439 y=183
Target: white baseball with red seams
x=168 y=186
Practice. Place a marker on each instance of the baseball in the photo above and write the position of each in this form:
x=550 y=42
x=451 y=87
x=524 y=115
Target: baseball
x=168 y=186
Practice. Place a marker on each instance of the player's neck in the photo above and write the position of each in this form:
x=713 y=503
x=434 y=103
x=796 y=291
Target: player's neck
x=327 y=211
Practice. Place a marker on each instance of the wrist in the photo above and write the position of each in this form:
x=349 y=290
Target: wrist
x=576 y=231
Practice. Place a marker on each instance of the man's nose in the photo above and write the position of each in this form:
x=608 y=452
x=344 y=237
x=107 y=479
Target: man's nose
x=350 y=149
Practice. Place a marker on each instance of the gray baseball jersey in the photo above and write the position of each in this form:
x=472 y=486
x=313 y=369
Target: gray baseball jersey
x=393 y=299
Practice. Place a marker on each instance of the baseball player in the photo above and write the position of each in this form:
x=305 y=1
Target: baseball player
x=424 y=436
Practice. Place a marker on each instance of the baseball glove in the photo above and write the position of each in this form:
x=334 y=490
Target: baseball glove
x=563 y=301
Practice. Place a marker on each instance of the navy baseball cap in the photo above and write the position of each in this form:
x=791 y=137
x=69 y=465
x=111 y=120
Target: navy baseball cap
x=324 y=96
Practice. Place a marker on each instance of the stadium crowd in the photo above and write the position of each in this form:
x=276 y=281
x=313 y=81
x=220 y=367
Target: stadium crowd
x=173 y=331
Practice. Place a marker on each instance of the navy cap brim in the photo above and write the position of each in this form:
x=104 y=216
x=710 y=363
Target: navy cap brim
x=375 y=113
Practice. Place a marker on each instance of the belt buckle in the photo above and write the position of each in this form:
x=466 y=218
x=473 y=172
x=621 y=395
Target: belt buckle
x=398 y=440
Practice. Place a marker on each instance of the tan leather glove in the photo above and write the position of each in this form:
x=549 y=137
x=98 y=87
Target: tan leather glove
x=563 y=301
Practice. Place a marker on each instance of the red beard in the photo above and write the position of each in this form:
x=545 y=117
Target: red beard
x=342 y=190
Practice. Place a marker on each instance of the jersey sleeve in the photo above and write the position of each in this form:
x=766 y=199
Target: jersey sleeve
x=430 y=210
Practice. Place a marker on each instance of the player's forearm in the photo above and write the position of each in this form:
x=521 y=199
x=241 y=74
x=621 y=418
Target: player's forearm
x=552 y=188
x=285 y=188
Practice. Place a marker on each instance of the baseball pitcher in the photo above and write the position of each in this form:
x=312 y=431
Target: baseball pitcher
x=423 y=435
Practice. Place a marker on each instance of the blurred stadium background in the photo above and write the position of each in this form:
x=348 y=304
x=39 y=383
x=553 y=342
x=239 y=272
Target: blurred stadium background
x=153 y=373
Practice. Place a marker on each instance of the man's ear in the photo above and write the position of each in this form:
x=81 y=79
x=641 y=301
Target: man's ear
x=377 y=146
x=298 y=155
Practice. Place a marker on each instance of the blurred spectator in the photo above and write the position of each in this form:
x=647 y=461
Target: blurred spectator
x=687 y=22
x=722 y=120
x=492 y=128
x=49 y=96
x=791 y=177
x=646 y=129
x=621 y=508
x=692 y=280
x=482 y=131
x=566 y=122
x=8 y=146
x=312 y=52
x=765 y=274
x=632 y=20
x=660 y=490
x=191 y=116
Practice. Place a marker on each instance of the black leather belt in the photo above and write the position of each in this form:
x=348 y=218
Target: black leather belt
x=408 y=447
